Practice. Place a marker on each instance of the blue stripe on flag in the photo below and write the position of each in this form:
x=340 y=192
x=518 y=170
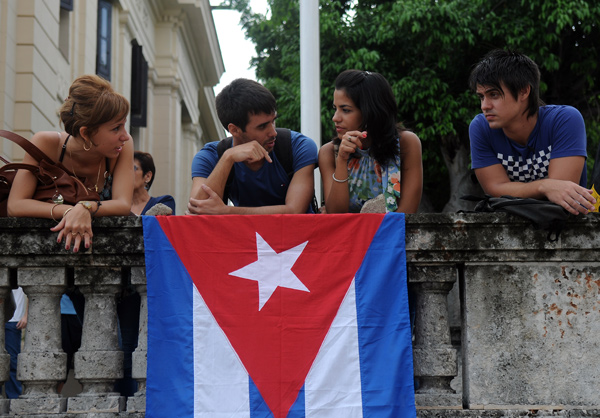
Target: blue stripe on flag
x=170 y=331
x=384 y=335
x=259 y=409
x=297 y=409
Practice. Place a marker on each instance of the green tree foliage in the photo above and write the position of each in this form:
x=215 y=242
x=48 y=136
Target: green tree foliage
x=426 y=49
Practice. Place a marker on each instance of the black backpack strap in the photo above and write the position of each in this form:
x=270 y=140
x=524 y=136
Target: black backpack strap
x=223 y=145
x=284 y=154
x=283 y=151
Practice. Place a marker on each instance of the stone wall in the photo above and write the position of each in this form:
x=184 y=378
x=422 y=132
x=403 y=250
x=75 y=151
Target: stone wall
x=529 y=314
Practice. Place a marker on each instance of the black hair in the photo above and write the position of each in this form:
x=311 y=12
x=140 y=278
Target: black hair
x=514 y=70
x=373 y=96
x=241 y=98
x=146 y=165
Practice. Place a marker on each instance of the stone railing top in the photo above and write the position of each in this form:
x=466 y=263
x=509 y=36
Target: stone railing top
x=430 y=238
x=472 y=237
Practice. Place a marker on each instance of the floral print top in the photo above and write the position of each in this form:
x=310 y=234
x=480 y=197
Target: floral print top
x=367 y=179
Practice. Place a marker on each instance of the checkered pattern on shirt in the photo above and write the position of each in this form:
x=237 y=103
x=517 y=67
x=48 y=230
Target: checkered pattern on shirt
x=526 y=170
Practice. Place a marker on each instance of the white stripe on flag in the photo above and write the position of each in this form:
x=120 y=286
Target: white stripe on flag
x=220 y=380
x=333 y=386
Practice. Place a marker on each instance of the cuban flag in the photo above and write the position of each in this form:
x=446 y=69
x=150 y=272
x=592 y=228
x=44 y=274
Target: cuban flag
x=275 y=316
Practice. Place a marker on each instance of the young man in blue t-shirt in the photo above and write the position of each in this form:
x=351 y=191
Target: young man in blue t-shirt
x=260 y=184
x=520 y=146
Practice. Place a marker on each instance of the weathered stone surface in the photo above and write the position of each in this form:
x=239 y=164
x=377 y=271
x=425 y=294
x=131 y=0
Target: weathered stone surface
x=4 y=406
x=435 y=361
x=441 y=401
x=99 y=364
x=44 y=406
x=96 y=404
x=532 y=334
x=136 y=404
x=42 y=365
x=507 y=413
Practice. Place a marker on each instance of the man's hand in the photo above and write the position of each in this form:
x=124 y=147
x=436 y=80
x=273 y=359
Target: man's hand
x=213 y=205
x=569 y=195
x=250 y=152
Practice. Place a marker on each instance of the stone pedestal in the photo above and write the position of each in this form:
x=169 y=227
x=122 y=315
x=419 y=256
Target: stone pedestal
x=99 y=361
x=435 y=359
x=42 y=363
x=137 y=403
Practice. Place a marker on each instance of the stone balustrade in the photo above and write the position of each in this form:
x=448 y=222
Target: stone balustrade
x=528 y=309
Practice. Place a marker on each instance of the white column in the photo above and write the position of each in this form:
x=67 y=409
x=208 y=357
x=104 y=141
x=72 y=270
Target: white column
x=310 y=76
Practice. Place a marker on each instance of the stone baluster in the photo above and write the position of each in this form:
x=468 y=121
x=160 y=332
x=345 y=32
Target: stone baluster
x=99 y=361
x=435 y=359
x=137 y=403
x=4 y=356
x=42 y=364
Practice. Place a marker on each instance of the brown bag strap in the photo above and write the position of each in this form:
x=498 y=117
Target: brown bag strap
x=28 y=146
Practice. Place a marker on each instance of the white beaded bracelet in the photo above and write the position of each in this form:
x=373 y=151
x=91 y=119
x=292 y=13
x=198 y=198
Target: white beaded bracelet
x=339 y=181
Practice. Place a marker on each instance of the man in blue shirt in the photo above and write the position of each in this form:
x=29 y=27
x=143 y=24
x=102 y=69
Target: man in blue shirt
x=520 y=146
x=260 y=184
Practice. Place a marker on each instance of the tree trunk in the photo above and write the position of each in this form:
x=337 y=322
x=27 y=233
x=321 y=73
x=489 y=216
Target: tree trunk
x=462 y=181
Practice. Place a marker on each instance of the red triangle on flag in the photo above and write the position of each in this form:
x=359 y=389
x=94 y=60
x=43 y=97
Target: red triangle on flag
x=277 y=343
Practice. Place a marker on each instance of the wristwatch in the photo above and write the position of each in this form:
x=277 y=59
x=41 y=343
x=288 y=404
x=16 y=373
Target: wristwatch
x=86 y=204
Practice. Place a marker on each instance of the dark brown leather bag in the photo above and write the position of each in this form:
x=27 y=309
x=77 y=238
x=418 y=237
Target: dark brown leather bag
x=55 y=183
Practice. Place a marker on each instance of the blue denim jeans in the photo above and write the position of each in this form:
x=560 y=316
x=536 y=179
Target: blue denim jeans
x=12 y=343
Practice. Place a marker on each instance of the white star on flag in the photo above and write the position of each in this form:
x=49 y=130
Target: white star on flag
x=272 y=270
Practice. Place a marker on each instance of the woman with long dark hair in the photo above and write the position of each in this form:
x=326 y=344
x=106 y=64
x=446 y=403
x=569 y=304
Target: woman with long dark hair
x=371 y=156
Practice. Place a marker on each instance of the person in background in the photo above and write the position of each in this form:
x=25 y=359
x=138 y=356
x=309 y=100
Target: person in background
x=72 y=308
x=96 y=148
x=128 y=306
x=371 y=157
x=520 y=146
x=144 y=172
x=12 y=341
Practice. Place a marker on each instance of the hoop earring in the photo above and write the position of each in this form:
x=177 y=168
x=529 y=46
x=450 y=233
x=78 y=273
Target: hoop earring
x=87 y=149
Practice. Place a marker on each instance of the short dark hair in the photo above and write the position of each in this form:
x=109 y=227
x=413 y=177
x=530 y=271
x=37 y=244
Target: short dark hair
x=146 y=165
x=373 y=95
x=241 y=98
x=513 y=69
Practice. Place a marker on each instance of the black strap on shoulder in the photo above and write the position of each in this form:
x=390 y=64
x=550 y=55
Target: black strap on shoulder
x=64 y=148
x=282 y=150
x=223 y=145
